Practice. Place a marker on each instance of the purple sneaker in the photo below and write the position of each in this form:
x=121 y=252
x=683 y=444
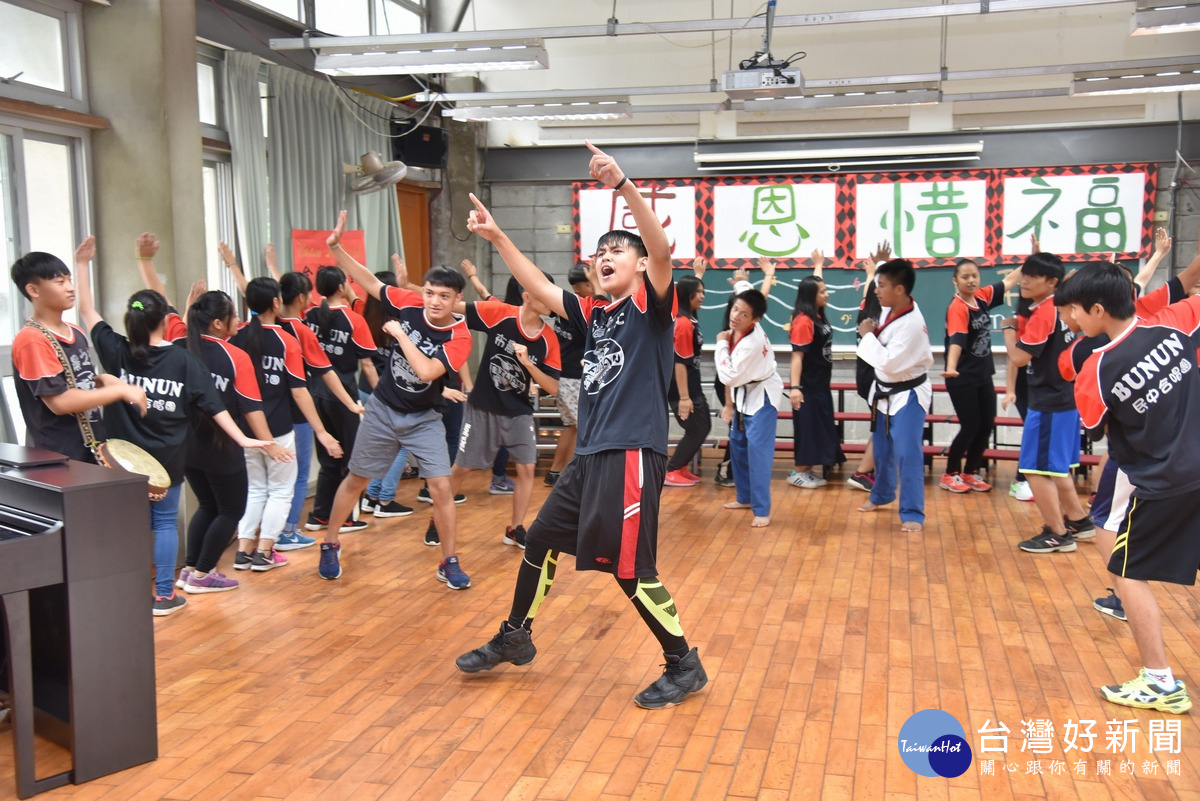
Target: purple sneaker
x=213 y=582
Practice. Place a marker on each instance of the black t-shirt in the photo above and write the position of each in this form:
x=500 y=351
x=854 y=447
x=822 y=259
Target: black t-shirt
x=970 y=327
x=570 y=347
x=210 y=448
x=281 y=371
x=1045 y=337
x=39 y=374
x=177 y=387
x=813 y=338
x=345 y=341
x=316 y=363
x=399 y=386
x=1146 y=305
x=627 y=363
x=689 y=340
x=1143 y=390
x=502 y=385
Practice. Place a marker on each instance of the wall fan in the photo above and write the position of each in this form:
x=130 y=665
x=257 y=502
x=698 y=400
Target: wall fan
x=373 y=174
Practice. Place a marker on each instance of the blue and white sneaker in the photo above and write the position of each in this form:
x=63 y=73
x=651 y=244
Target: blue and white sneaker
x=449 y=572
x=330 y=567
x=501 y=485
x=293 y=541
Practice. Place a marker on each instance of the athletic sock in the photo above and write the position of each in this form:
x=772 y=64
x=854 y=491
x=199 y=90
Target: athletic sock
x=1162 y=677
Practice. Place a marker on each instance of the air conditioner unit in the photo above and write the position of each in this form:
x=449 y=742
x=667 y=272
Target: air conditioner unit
x=764 y=82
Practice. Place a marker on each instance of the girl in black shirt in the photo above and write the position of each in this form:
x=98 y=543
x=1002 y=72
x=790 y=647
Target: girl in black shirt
x=815 y=439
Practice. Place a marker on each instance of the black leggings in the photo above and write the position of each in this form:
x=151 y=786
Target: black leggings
x=976 y=410
x=221 y=499
x=343 y=425
x=695 y=430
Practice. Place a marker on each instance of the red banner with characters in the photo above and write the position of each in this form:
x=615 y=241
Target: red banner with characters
x=310 y=253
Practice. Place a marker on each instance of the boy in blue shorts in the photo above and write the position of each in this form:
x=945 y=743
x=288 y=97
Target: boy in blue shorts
x=604 y=507
x=1142 y=389
x=1050 y=438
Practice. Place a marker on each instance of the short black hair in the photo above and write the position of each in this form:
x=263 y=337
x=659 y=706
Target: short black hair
x=1102 y=283
x=577 y=275
x=900 y=272
x=37 y=266
x=623 y=237
x=755 y=300
x=1045 y=265
x=444 y=276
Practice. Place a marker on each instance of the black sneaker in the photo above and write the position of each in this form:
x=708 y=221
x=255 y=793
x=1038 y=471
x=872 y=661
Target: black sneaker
x=392 y=509
x=1049 y=542
x=431 y=535
x=514 y=535
x=1110 y=605
x=513 y=646
x=242 y=560
x=551 y=478
x=424 y=497
x=1081 y=529
x=315 y=523
x=680 y=678
x=724 y=476
x=368 y=504
x=353 y=525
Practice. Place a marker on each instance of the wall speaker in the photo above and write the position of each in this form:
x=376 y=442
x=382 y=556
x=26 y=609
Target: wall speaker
x=419 y=145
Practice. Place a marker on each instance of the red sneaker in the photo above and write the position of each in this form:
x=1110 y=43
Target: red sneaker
x=689 y=474
x=676 y=478
x=953 y=482
x=976 y=483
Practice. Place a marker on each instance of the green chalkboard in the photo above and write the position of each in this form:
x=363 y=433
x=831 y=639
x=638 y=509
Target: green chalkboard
x=933 y=291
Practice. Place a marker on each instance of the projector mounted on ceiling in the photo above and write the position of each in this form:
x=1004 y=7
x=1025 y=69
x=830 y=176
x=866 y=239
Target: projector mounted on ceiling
x=762 y=76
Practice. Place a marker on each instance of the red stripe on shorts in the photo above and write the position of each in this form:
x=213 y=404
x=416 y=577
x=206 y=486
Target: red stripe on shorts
x=631 y=523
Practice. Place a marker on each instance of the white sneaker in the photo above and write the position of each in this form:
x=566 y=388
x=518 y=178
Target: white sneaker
x=1020 y=490
x=805 y=480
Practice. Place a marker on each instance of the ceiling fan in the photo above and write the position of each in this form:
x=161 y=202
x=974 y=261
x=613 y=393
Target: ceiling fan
x=373 y=174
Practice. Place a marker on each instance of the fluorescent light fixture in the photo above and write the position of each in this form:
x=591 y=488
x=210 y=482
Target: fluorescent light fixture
x=1178 y=18
x=818 y=100
x=838 y=155
x=1137 y=82
x=838 y=164
x=602 y=109
x=529 y=54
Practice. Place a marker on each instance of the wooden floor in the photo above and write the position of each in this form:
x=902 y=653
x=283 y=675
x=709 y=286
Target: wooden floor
x=821 y=635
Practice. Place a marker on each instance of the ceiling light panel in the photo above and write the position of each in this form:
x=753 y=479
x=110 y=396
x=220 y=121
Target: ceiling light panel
x=1137 y=82
x=422 y=60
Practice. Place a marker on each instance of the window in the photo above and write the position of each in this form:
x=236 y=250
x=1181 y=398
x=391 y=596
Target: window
x=218 y=222
x=206 y=84
x=368 y=17
x=292 y=9
x=40 y=59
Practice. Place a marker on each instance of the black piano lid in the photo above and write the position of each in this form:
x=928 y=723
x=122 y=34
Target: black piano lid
x=19 y=456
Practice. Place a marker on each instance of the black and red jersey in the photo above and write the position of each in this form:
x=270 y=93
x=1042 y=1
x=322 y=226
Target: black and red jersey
x=281 y=371
x=969 y=325
x=210 y=448
x=1045 y=337
x=177 y=386
x=1071 y=362
x=39 y=374
x=316 y=363
x=689 y=340
x=1143 y=390
x=627 y=364
x=399 y=386
x=570 y=347
x=345 y=339
x=503 y=385
x=813 y=338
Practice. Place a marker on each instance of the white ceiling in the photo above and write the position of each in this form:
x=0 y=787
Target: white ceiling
x=1051 y=42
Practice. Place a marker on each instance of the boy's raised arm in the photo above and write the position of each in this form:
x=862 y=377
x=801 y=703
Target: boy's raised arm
x=526 y=272
x=350 y=266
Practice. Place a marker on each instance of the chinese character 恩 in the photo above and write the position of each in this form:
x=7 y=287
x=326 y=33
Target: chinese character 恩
x=774 y=209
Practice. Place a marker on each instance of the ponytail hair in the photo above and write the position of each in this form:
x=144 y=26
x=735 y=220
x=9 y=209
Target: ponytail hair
x=209 y=308
x=146 y=311
x=373 y=311
x=329 y=281
x=260 y=297
x=293 y=285
x=806 y=299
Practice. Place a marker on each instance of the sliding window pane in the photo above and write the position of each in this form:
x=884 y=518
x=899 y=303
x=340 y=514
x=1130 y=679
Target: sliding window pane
x=344 y=17
x=32 y=52
x=10 y=300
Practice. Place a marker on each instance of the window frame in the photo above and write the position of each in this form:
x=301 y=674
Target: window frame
x=74 y=97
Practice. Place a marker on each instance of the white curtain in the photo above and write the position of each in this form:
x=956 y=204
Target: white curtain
x=313 y=131
x=243 y=121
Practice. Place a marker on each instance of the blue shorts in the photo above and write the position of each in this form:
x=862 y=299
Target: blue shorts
x=1050 y=443
x=1113 y=492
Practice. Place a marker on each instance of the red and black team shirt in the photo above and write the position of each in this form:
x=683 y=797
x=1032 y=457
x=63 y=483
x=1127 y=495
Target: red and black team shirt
x=399 y=386
x=177 y=387
x=570 y=347
x=969 y=325
x=689 y=341
x=210 y=448
x=316 y=363
x=39 y=374
x=813 y=338
x=627 y=363
x=502 y=385
x=1143 y=389
x=1045 y=337
x=346 y=340
x=282 y=370
x=1071 y=362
